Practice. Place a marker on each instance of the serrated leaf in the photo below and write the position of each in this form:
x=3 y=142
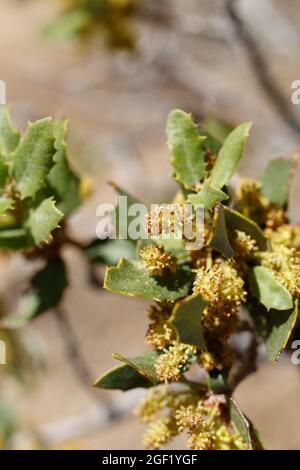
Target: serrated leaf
x=110 y=251
x=230 y=155
x=186 y=318
x=47 y=289
x=220 y=241
x=186 y=148
x=122 y=378
x=236 y=221
x=62 y=180
x=43 y=220
x=144 y=365
x=268 y=290
x=14 y=239
x=275 y=327
x=131 y=278
x=33 y=157
x=6 y=203
x=275 y=181
x=9 y=137
x=208 y=197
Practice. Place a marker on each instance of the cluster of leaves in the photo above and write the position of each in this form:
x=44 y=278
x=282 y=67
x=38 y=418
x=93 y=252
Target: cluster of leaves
x=245 y=277
x=38 y=191
x=85 y=19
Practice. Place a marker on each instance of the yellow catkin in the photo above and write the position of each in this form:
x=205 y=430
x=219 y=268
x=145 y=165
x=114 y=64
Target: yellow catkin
x=170 y=365
x=157 y=260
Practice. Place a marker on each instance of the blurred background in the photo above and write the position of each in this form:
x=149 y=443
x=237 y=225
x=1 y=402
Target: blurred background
x=116 y=80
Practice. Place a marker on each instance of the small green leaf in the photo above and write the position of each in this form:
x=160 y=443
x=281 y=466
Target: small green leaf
x=131 y=278
x=33 y=157
x=236 y=221
x=47 y=289
x=275 y=181
x=122 y=378
x=220 y=241
x=27 y=310
x=186 y=148
x=6 y=203
x=242 y=425
x=9 y=137
x=230 y=155
x=61 y=178
x=268 y=290
x=275 y=327
x=43 y=220
x=144 y=365
x=208 y=197
x=14 y=239
x=49 y=283
x=186 y=318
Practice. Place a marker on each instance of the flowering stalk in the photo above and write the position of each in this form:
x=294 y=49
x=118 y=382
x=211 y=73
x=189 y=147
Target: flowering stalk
x=245 y=276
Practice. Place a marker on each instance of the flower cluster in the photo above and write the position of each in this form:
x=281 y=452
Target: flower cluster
x=172 y=412
x=204 y=296
x=155 y=258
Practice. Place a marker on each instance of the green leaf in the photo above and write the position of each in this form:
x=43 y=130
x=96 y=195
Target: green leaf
x=110 y=251
x=14 y=239
x=186 y=148
x=220 y=241
x=186 y=318
x=47 y=289
x=275 y=181
x=9 y=137
x=208 y=197
x=230 y=155
x=144 y=365
x=243 y=426
x=6 y=203
x=122 y=378
x=268 y=290
x=49 y=283
x=63 y=182
x=43 y=220
x=236 y=221
x=33 y=157
x=27 y=310
x=131 y=278
x=275 y=327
